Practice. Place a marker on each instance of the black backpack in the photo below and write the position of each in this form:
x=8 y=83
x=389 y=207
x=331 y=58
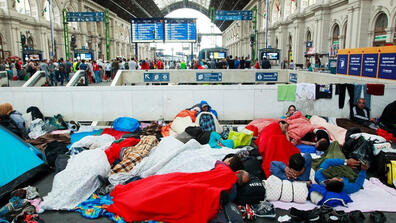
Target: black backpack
x=228 y=213
x=251 y=193
x=52 y=151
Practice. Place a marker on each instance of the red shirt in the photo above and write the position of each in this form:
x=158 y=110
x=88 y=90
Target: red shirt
x=145 y=66
x=160 y=65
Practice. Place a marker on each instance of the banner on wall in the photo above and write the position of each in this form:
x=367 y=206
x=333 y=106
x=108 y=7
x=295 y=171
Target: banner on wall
x=387 y=66
x=370 y=65
x=355 y=64
x=342 y=64
x=374 y=62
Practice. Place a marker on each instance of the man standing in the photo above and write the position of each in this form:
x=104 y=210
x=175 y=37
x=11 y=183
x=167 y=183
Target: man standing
x=44 y=67
x=84 y=67
x=265 y=64
x=132 y=64
x=68 y=69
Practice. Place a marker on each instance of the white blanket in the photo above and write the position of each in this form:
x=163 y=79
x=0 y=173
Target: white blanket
x=79 y=179
x=171 y=155
x=374 y=197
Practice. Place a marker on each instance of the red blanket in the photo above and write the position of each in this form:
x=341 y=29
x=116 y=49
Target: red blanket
x=113 y=152
x=273 y=146
x=174 y=197
x=116 y=134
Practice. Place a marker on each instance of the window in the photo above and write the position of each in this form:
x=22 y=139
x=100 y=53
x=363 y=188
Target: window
x=380 y=30
x=276 y=11
x=335 y=41
x=22 y=6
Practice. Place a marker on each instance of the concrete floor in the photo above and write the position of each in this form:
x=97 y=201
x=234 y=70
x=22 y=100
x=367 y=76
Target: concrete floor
x=44 y=185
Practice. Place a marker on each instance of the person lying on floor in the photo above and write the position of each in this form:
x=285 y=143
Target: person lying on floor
x=298 y=169
x=12 y=120
x=290 y=111
x=388 y=118
x=188 y=197
x=318 y=138
x=335 y=175
x=274 y=145
x=360 y=114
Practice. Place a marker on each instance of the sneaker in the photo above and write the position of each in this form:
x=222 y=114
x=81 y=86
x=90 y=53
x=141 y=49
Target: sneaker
x=307 y=216
x=377 y=217
x=264 y=210
x=356 y=217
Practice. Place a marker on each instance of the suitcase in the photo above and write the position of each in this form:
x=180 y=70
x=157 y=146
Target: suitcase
x=390 y=172
x=381 y=165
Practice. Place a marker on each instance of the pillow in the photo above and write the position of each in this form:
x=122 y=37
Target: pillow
x=300 y=191
x=273 y=187
x=287 y=191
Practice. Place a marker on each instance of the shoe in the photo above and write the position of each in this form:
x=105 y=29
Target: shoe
x=313 y=215
x=263 y=210
x=337 y=217
x=356 y=216
x=377 y=217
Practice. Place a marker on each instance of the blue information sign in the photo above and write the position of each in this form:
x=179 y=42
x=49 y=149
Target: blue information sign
x=85 y=16
x=177 y=30
x=293 y=77
x=270 y=76
x=370 y=62
x=233 y=15
x=342 y=64
x=156 y=77
x=355 y=64
x=387 y=66
x=209 y=77
x=147 y=30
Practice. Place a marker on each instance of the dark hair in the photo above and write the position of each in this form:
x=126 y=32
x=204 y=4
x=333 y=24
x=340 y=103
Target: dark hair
x=296 y=162
x=323 y=145
x=227 y=156
x=291 y=106
x=283 y=122
x=240 y=178
x=236 y=163
x=334 y=186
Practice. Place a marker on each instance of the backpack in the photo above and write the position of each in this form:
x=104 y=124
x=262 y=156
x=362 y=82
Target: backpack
x=361 y=150
x=126 y=124
x=53 y=150
x=36 y=113
x=385 y=168
x=228 y=213
x=253 y=166
x=251 y=193
x=58 y=122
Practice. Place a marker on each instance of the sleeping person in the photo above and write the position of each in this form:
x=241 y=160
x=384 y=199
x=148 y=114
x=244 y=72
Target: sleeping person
x=318 y=138
x=298 y=169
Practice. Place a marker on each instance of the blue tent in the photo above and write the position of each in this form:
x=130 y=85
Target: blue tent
x=19 y=161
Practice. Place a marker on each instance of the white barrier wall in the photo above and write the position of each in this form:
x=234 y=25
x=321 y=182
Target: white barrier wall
x=128 y=77
x=147 y=103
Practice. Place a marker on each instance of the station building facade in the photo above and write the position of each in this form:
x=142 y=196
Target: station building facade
x=304 y=28
x=28 y=21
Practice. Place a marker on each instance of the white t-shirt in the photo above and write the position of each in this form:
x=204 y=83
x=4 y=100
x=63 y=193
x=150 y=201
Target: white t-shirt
x=132 y=65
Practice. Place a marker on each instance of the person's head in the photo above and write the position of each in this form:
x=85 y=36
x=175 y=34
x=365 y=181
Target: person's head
x=5 y=109
x=205 y=107
x=322 y=145
x=297 y=162
x=243 y=177
x=360 y=103
x=335 y=184
x=284 y=126
x=234 y=161
x=291 y=109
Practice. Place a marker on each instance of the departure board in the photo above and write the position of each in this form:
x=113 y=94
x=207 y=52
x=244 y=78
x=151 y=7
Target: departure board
x=180 y=30
x=148 y=30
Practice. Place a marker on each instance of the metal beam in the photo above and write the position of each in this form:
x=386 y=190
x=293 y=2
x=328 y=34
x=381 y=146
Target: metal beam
x=210 y=34
x=141 y=8
x=119 y=6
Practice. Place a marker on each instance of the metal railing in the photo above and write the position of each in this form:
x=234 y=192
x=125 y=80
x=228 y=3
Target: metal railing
x=4 y=81
x=76 y=78
x=36 y=79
